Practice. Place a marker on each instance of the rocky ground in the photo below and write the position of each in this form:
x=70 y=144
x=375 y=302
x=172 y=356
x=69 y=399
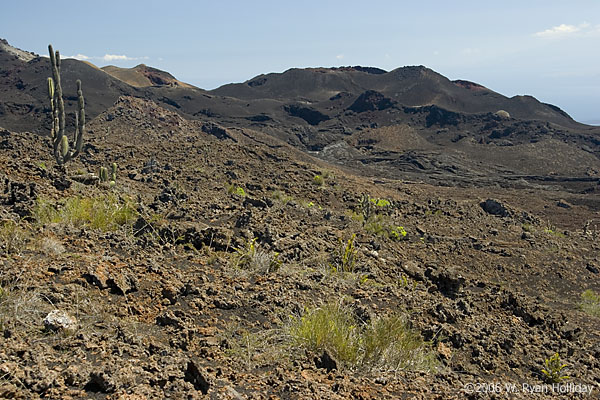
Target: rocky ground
x=228 y=237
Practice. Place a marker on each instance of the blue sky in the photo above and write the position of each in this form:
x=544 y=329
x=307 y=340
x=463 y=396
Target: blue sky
x=547 y=49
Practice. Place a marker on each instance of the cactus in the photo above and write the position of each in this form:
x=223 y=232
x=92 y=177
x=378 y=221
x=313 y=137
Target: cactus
x=366 y=207
x=113 y=174
x=103 y=174
x=63 y=151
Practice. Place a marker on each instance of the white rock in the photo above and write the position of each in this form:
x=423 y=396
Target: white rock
x=58 y=320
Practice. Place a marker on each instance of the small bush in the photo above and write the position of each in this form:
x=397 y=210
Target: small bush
x=398 y=233
x=282 y=197
x=253 y=258
x=380 y=202
x=237 y=190
x=553 y=373
x=13 y=237
x=381 y=226
x=590 y=303
x=104 y=212
x=344 y=259
x=22 y=307
x=330 y=327
x=318 y=180
x=390 y=344
x=387 y=343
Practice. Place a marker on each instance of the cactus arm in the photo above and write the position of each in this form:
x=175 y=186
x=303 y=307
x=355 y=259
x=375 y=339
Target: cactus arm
x=79 y=121
x=52 y=108
x=113 y=174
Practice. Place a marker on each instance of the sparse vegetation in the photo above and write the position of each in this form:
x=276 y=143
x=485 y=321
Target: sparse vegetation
x=553 y=371
x=379 y=225
x=252 y=348
x=13 y=237
x=398 y=233
x=252 y=258
x=374 y=222
x=22 y=306
x=105 y=212
x=527 y=227
x=386 y=343
x=282 y=197
x=236 y=190
x=590 y=303
x=318 y=180
x=346 y=256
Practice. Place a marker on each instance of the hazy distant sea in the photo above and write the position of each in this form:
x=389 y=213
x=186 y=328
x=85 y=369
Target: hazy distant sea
x=592 y=122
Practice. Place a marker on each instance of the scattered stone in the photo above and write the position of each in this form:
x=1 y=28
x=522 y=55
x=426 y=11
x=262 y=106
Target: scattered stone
x=381 y=380
x=448 y=280
x=563 y=204
x=326 y=361
x=526 y=236
x=86 y=179
x=444 y=350
x=122 y=284
x=592 y=268
x=57 y=320
x=414 y=270
x=494 y=207
x=502 y=114
x=170 y=293
x=169 y=319
x=100 y=382
x=197 y=377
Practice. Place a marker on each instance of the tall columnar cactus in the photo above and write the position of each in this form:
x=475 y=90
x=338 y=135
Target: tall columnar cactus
x=63 y=151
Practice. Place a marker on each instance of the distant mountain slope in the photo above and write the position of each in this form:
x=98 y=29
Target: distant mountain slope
x=143 y=75
x=408 y=86
x=410 y=123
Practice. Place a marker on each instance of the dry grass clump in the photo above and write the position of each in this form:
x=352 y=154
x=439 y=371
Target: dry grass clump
x=13 y=237
x=386 y=343
x=105 y=212
x=252 y=257
x=590 y=303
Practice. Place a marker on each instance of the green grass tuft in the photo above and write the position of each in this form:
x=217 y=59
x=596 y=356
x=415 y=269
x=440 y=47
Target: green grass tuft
x=105 y=212
x=387 y=343
x=318 y=180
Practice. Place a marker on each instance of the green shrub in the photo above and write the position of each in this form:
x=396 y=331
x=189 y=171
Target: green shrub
x=330 y=327
x=553 y=373
x=105 y=212
x=390 y=344
x=380 y=202
x=318 y=180
x=237 y=190
x=398 y=233
x=379 y=225
x=344 y=259
x=387 y=343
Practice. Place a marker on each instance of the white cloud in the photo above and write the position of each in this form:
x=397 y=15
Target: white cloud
x=339 y=56
x=80 y=57
x=115 y=57
x=564 y=30
x=107 y=58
